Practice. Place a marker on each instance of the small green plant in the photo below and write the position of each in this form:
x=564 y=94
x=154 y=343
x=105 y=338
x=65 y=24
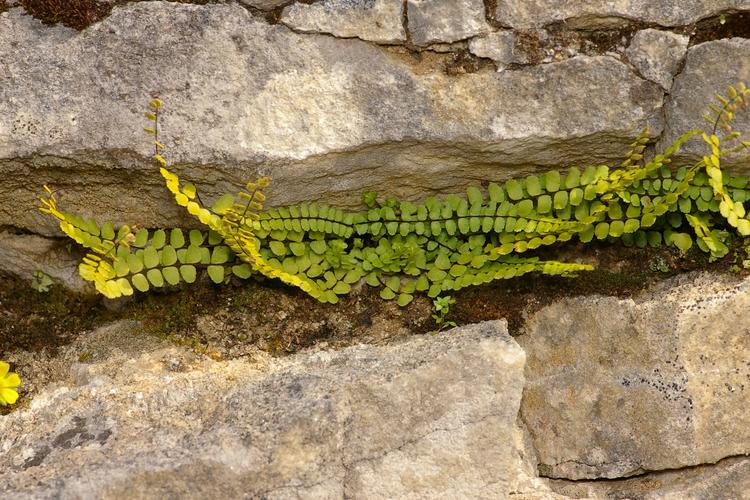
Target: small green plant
x=435 y=247
x=9 y=383
x=442 y=306
x=41 y=282
x=659 y=264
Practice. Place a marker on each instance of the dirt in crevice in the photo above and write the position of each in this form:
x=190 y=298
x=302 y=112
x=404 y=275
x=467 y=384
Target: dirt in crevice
x=464 y=62
x=620 y=272
x=490 y=7
x=729 y=25
x=79 y=14
x=236 y=319
x=557 y=42
x=76 y=14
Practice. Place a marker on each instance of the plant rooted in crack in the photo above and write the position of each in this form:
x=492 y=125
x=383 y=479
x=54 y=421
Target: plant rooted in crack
x=438 y=246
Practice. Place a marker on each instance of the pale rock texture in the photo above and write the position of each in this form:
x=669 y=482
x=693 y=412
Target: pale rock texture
x=25 y=254
x=379 y=21
x=709 y=68
x=728 y=479
x=264 y=4
x=617 y=387
x=326 y=118
x=499 y=46
x=657 y=55
x=436 y=21
x=601 y=13
x=430 y=417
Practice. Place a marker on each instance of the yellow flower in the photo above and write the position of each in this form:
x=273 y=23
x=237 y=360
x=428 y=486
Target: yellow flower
x=8 y=384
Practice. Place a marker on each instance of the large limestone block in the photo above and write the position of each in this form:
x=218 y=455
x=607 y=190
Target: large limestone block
x=709 y=68
x=327 y=118
x=379 y=21
x=616 y=387
x=596 y=13
x=431 y=417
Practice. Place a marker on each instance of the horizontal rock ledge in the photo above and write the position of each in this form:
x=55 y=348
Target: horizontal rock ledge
x=522 y=14
x=314 y=112
x=428 y=417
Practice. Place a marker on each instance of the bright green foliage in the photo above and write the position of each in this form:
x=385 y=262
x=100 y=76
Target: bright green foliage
x=442 y=309
x=435 y=247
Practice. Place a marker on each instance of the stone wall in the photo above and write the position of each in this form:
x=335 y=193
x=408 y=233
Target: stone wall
x=597 y=398
x=334 y=97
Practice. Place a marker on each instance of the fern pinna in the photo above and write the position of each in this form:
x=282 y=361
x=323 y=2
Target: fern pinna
x=437 y=246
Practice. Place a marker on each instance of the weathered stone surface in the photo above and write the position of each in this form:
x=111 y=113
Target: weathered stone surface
x=436 y=21
x=596 y=13
x=499 y=46
x=526 y=484
x=709 y=68
x=428 y=418
x=314 y=112
x=618 y=387
x=379 y=21
x=264 y=4
x=730 y=479
x=657 y=55
x=24 y=254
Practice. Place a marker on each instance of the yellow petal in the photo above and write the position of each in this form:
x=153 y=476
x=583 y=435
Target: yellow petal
x=8 y=396
x=11 y=381
x=4 y=367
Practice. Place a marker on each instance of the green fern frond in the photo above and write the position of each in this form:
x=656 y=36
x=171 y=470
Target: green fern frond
x=433 y=247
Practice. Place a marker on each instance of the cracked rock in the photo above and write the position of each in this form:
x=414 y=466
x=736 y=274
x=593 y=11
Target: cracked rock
x=729 y=478
x=617 y=387
x=431 y=417
x=445 y=21
x=377 y=21
x=657 y=55
x=521 y=14
x=709 y=68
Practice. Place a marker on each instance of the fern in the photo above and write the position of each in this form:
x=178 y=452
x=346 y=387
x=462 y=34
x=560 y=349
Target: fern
x=435 y=247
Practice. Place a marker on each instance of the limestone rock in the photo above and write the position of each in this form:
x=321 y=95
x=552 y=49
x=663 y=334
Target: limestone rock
x=522 y=14
x=436 y=21
x=709 y=68
x=377 y=21
x=312 y=111
x=657 y=55
x=619 y=387
x=499 y=46
x=428 y=418
x=24 y=254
